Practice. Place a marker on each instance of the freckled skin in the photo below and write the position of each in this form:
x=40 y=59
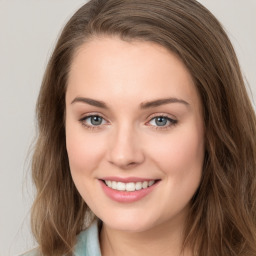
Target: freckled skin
x=123 y=75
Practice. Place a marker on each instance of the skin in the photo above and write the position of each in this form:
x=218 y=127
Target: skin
x=130 y=143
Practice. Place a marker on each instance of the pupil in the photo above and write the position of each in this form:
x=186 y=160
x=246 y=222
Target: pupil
x=96 y=120
x=161 y=121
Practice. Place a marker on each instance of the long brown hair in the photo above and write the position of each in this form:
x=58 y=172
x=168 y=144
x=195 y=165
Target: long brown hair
x=222 y=218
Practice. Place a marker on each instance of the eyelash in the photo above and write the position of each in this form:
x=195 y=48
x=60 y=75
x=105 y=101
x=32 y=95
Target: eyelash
x=91 y=127
x=172 y=122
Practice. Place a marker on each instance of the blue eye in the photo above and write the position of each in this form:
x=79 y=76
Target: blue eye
x=93 y=120
x=162 y=121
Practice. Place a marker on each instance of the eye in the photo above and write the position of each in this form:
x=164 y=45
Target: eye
x=162 y=121
x=93 y=120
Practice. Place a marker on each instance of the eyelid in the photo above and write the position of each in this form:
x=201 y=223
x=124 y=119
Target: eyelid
x=92 y=127
x=88 y=114
x=172 y=117
x=173 y=121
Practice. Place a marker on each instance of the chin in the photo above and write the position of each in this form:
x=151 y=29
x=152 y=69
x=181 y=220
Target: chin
x=129 y=222
x=128 y=226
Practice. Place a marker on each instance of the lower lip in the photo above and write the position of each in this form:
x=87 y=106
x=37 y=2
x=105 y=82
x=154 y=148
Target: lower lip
x=124 y=196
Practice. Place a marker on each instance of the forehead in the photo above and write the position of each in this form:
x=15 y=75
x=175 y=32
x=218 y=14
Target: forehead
x=110 y=67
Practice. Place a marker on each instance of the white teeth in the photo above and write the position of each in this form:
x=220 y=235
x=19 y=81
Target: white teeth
x=150 y=183
x=145 y=184
x=113 y=184
x=130 y=186
x=138 y=186
x=120 y=186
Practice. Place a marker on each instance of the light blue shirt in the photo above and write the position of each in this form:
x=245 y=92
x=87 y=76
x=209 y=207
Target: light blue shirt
x=87 y=243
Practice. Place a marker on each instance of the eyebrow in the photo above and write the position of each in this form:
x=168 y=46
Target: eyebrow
x=92 y=102
x=159 y=102
x=144 y=105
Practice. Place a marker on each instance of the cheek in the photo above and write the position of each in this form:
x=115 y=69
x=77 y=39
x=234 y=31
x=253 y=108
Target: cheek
x=180 y=159
x=181 y=153
x=84 y=151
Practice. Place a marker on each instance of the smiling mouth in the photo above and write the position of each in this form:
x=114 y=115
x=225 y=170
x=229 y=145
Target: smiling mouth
x=129 y=186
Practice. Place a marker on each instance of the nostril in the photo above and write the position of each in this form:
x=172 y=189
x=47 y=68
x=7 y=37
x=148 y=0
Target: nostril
x=132 y=163
x=123 y=164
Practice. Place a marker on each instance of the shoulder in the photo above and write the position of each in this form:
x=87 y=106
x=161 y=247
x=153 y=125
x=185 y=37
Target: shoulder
x=87 y=243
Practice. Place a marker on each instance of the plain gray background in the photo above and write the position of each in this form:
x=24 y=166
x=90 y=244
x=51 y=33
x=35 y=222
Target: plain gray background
x=28 y=32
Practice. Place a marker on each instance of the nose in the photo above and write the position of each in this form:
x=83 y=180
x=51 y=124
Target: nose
x=125 y=149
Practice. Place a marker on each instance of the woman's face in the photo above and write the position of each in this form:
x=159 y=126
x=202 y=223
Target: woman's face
x=134 y=133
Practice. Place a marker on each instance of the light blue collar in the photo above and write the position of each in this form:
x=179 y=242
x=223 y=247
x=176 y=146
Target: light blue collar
x=88 y=242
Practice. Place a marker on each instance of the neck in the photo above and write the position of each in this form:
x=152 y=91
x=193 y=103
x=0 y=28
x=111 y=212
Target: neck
x=165 y=239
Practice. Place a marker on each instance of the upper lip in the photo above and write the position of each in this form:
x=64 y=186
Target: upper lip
x=127 y=179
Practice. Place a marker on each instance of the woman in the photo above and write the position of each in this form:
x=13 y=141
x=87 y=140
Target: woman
x=146 y=139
